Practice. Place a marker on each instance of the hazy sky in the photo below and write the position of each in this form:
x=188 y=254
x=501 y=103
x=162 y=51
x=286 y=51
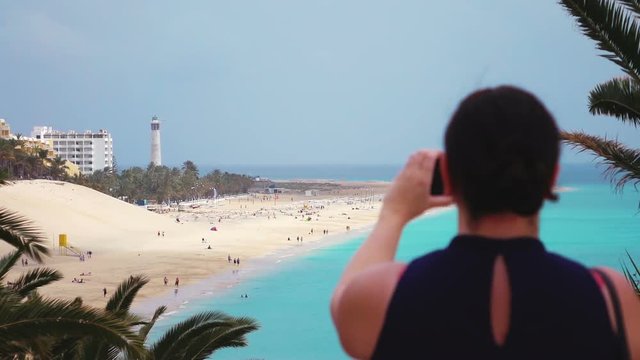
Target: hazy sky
x=286 y=81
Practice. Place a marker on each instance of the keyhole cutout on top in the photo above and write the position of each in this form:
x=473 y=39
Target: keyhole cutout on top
x=500 y=301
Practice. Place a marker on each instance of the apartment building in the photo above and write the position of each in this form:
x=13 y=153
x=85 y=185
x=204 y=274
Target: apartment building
x=91 y=151
x=5 y=130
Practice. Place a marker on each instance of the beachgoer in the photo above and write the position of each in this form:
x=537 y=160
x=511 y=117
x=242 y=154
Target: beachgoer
x=238 y=261
x=209 y=247
x=495 y=292
x=104 y=292
x=288 y=239
x=234 y=261
x=229 y=258
x=177 y=281
x=158 y=233
x=166 y=281
x=163 y=234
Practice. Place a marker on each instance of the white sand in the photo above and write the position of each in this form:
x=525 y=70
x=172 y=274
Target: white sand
x=124 y=240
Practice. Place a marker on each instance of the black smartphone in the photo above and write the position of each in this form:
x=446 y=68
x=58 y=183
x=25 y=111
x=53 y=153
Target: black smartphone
x=437 y=185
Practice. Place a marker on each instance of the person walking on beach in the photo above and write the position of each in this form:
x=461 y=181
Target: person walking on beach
x=229 y=258
x=166 y=281
x=177 y=281
x=494 y=292
x=104 y=292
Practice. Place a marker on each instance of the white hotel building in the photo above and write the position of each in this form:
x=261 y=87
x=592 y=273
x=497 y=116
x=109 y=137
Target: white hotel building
x=91 y=151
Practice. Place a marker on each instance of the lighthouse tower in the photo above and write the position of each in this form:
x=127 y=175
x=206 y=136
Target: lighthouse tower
x=156 y=153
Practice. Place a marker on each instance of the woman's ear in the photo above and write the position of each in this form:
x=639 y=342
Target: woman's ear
x=444 y=170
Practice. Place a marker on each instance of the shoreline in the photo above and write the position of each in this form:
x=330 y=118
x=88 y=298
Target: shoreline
x=217 y=285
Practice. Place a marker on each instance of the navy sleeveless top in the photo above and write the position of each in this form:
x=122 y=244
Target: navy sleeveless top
x=441 y=306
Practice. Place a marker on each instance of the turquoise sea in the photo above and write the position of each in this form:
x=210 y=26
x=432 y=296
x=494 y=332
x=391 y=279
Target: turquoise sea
x=289 y=296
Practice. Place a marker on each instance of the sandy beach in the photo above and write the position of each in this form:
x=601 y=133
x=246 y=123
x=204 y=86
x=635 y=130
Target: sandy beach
x=126 y=239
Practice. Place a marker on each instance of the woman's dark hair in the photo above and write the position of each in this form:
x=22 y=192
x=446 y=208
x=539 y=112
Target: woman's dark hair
x=502 y=148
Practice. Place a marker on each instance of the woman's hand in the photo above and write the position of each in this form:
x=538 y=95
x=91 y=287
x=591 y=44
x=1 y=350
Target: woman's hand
x=410 y=193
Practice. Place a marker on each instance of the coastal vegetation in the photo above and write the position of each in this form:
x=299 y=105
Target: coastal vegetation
x=157 y=183
x=164 y=184
x=20 y=162
x=614 y=26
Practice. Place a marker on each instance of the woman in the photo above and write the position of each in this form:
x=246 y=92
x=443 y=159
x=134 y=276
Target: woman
x=494 y=292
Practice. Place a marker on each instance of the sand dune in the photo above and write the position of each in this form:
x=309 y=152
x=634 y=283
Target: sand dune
x=124 y=238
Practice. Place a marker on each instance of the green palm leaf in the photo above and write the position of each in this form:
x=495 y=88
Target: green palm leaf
x=632 y=5
x=174 y=342
x=34 y=279
x=22 y=235
x=618 y=97
x=8 y=261
x=144 y=330
x=612 y=28
x=629 y=275
x=221 y=337
x=122 y=298
x=28 y=321
x=623 y=163
x=118 y=305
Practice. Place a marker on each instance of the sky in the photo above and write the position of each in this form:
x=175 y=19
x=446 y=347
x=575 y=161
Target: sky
x=285 y=82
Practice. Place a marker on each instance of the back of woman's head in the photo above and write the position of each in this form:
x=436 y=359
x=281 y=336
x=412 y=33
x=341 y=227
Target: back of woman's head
x=502 y=148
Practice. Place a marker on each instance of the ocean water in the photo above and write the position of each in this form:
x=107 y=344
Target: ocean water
x=290 y=297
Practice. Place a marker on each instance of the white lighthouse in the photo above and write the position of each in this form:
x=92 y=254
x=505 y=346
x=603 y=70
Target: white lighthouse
x=156 y=152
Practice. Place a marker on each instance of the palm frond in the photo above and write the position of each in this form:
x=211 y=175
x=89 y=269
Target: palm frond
x=175 y=340
x=144 y=330
x=122 y=298
x=34 y=279
x=612 y=28
x=619 y=97
x=622 y=163
x=8 y=261
x=632 y=5
x=221 y=337
x=118 y=305
x=27 y=321
x=20 y=233
x=631 y=276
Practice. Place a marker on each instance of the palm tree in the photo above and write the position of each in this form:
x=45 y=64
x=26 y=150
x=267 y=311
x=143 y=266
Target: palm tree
x=614 y=26
x=58 y=168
